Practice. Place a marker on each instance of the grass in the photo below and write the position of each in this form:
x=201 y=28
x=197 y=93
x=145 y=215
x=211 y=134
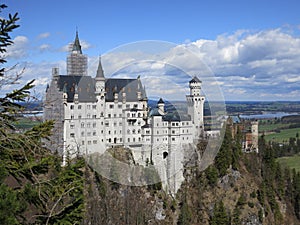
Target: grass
x=25 y=123
x=283 y=136
x=272 y=126
x=292 y=162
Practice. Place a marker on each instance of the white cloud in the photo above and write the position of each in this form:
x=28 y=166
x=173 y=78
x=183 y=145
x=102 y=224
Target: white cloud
x=43 y=35
x=246 y=64
x=44 y=47
x=19 y=49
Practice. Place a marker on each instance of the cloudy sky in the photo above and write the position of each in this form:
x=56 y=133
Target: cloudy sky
x=250 y=49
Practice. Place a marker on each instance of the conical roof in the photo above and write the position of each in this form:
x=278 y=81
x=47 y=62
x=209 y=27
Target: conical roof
x=100 y=73
x=76 y=45
x=195 y=80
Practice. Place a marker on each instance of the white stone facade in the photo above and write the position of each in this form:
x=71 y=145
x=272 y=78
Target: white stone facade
x=94 y=114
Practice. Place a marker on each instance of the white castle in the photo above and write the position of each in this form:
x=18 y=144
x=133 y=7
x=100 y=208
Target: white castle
x=94 y=114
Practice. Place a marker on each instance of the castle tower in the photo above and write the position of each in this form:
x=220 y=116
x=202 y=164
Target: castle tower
x=100 y=80
x=254 y=132
x=161 y=106
x=76 y=61
x=195 y=103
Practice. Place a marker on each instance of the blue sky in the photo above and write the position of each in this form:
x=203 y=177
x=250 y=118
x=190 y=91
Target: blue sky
x=252 y=47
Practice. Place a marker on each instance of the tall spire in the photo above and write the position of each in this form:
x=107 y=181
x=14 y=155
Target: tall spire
x=100 y=73
x=76 y=45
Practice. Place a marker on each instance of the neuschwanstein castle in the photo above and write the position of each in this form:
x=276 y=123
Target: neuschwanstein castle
x=93 y=114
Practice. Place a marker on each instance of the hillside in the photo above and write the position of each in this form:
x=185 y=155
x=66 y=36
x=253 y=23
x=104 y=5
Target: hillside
x=247 y=194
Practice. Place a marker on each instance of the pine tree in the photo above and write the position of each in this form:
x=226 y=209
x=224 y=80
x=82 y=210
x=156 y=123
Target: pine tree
x=220 y=216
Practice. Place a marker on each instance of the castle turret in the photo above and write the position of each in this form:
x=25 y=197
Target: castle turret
x=161 y=106
x=100 y=80
x=196 y=104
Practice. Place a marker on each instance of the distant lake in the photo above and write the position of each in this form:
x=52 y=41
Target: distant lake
x=267 y=115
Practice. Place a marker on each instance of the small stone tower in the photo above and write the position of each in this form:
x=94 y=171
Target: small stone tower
x=195 y=103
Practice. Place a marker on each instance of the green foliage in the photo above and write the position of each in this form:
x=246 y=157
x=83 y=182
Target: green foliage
x=185 y=215
x=229 y=153
x=34 y=188
x=212 y=175
x=10 y=207
x=241 y=201
x=236 y=216
x=220 y=216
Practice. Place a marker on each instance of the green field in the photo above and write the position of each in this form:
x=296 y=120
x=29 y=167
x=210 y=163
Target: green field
x=292 y=162
x=283 y=136
x=272 y=126
x=25 y=123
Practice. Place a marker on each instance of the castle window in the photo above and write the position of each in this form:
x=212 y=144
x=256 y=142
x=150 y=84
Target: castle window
x=88 y=116
x=115 y=115
x=88 y=106
x=128 y=131
x=135 y=105
x=72 y=126
x=173 y=131
x=94 y=125
x=165 y=154
x=147 y=131
x=139 y=131
x=111 y=106
x=82 y=125
x=94 y=106
x=71 y=106
x=115 y=124
x=88 y=125
x=115 y=132
x=94 y=116
x=72 y=135
x=128 y=139
x=120 y=106
x=109 y=132
x=72 y=117
x=89 y=142
x=120 y=139
x=82 y=133
x=133 y=131
x=94 y=133
x=82 y=142
x=133 y=140
x=173 y=139
x=79 y=116
x=120 y=115
x=128 y=114
x=101 y=131
x=88 y=134
x=79 y=106
x=94 y=142
x=109 y=115
x=107 y=123
x=120 y=123
x=101 y=114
